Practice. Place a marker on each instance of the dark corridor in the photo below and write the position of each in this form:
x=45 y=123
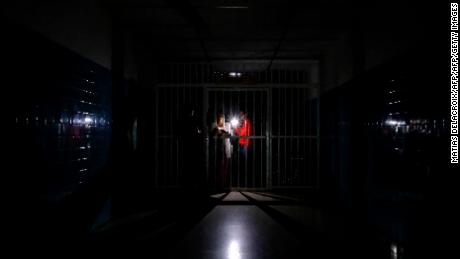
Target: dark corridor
x=229 y=129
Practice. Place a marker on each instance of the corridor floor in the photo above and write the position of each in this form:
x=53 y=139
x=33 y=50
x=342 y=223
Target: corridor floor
x=238 y=231
x=245 y=225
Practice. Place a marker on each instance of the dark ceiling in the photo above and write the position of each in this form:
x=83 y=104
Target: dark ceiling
x=257 y=33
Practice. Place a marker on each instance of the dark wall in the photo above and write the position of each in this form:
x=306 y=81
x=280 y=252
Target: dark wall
x=385 y=150
x=384 y=134
x=61 y=106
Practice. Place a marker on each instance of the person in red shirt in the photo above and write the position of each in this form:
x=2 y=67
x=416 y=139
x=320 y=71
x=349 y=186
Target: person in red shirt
x=244 y=130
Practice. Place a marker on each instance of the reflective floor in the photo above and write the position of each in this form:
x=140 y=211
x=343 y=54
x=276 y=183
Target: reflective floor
x=236 y=232
x=244 y=225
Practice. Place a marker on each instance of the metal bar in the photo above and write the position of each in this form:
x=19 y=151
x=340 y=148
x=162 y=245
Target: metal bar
x=209 y=77
x=304 y=131
x=296 y=136
x=236 y=143
x=204 y=72
x=268 y=131
x=279 y=132
x=201 y=74
x=233 y=137
x=318 y=140
x=197 y=75
x=246 y=154
x=156 y=137
x=171 y=125
x=177 y=74
x=285 y=76
x=238 y=156
x=298 y=106
x=305 y=109
x=292 y=140
x=261 y=144
x=285 y=132
x=241 y=87
x=310 y=144
x=294 y=120
x=171 y=73
x=236 y=137
x=180 y=73
x=206 y=146
x=189 y=73
x=215 y=144
x=192 y=73
x=177 y=139
x=169 y=142
x=255 y=133
x=223 y=106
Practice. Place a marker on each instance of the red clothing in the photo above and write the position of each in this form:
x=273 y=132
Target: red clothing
x=244 y=131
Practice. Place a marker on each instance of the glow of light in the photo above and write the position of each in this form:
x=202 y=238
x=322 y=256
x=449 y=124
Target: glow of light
x=88 y=120
x=234 y=74
x=233 y=251
x=395 y=122
x=234 y=122
x=394 y=251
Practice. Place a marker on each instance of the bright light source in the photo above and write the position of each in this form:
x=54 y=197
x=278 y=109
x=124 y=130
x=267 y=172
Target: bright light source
x=234 y=74
x=234 y=122
x=88 y=120
x=395 y=122
x=233 y=250
x=394 y=251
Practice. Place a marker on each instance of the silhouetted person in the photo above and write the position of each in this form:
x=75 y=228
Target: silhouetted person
x=192 y=148
x=222 y=132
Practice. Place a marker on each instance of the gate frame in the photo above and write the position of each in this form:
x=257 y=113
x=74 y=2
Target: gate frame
x=268 y=88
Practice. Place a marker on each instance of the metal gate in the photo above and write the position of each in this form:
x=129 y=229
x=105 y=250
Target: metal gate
x=281 y=105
